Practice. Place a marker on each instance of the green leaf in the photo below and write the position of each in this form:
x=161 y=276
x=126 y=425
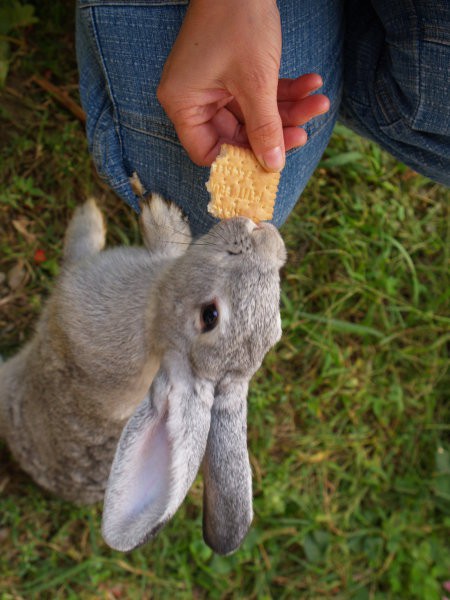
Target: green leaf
x=4 y=61
x=4 y=67
x=361 y=594
x=315 y=545
x=341 y=159
x=221 y=565
x=14 y=15
x=341 y=326
x=442 y=475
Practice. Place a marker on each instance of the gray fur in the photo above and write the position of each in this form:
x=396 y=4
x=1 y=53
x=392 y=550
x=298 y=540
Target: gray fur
x=118 y=320
x=227 y=502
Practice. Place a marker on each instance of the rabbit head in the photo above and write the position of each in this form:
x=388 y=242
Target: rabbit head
x=221 y=299
x=213 y=318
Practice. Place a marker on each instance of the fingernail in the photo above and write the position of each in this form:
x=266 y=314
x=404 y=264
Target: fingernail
x=319 y=83
x=274 y=159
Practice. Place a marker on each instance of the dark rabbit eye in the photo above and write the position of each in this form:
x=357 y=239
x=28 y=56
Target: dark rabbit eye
x=209 y=317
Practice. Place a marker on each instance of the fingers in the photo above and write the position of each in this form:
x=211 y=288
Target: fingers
x=300 y=112
x=296 y=89
x=296 y=107
x=201 y=141
x=263 y=124
x=289 y=90
x=196 y=123
x=204 y=140
x=229 y=128
x=270 y=128
x=294 y=137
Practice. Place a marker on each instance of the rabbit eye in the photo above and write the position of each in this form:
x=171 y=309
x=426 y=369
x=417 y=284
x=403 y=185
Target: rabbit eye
x=209 y=317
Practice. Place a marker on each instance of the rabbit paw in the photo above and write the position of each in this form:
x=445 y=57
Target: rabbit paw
x=85 y=234
x=164 y=227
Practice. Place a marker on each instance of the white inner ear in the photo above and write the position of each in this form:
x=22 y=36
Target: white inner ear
x=149 y=472
x=143 y=481
x=156 y=461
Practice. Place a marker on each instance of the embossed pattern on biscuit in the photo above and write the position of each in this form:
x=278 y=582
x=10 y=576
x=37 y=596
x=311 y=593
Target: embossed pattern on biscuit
x=239 y=186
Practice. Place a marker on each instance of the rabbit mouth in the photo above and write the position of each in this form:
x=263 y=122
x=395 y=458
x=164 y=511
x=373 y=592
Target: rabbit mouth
x=240 y=234
x=269 y=244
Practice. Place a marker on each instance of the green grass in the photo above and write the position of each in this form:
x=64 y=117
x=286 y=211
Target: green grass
x=349 y=424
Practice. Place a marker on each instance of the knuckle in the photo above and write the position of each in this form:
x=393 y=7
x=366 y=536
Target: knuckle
x=259 y=80
x=163 y=94
x=255 y=82
x=266 y=132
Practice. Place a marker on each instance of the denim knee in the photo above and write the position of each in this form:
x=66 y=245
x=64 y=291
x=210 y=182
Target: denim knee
x=396 y=80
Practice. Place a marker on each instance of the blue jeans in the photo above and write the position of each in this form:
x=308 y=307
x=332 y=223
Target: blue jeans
x=385 y=66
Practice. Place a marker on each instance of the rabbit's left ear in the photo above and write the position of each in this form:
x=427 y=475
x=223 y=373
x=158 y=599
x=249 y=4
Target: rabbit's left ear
x=227 y=502
x=157 y=458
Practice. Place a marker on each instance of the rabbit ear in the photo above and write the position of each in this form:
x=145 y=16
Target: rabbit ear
x=157 y=458
x=227 y=503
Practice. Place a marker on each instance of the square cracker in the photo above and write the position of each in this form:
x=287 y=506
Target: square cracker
x=240 y=186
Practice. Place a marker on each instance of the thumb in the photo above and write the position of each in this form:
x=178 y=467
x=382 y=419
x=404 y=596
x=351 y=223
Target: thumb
x=264 y=127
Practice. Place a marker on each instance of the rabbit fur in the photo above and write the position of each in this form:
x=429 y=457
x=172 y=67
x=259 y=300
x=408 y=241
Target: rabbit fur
x=129 y=377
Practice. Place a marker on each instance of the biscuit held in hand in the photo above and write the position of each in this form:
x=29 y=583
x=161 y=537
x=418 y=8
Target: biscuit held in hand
x=239 y=186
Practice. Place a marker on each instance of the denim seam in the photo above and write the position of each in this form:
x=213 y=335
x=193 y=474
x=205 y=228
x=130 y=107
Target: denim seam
x=177 y=143
x=151 y=134
x=381 y=103
x=133 y=116
x=95 y=145
x=420 y=33
x=439 y=42
x=108 y=83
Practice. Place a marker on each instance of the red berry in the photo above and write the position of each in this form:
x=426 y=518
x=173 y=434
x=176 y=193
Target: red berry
x=39 y=256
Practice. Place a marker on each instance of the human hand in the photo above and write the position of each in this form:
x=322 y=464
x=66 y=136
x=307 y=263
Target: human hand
x=220 y=83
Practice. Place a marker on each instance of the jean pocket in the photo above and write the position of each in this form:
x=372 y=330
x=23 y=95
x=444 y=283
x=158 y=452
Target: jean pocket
x=412 y=79
x=106 y=150
x=433 y=110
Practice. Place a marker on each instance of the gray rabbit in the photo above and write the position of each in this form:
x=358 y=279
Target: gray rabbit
x=141 y=360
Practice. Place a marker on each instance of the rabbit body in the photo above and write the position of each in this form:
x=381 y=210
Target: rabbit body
x=127 y=368
x=66 y=396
